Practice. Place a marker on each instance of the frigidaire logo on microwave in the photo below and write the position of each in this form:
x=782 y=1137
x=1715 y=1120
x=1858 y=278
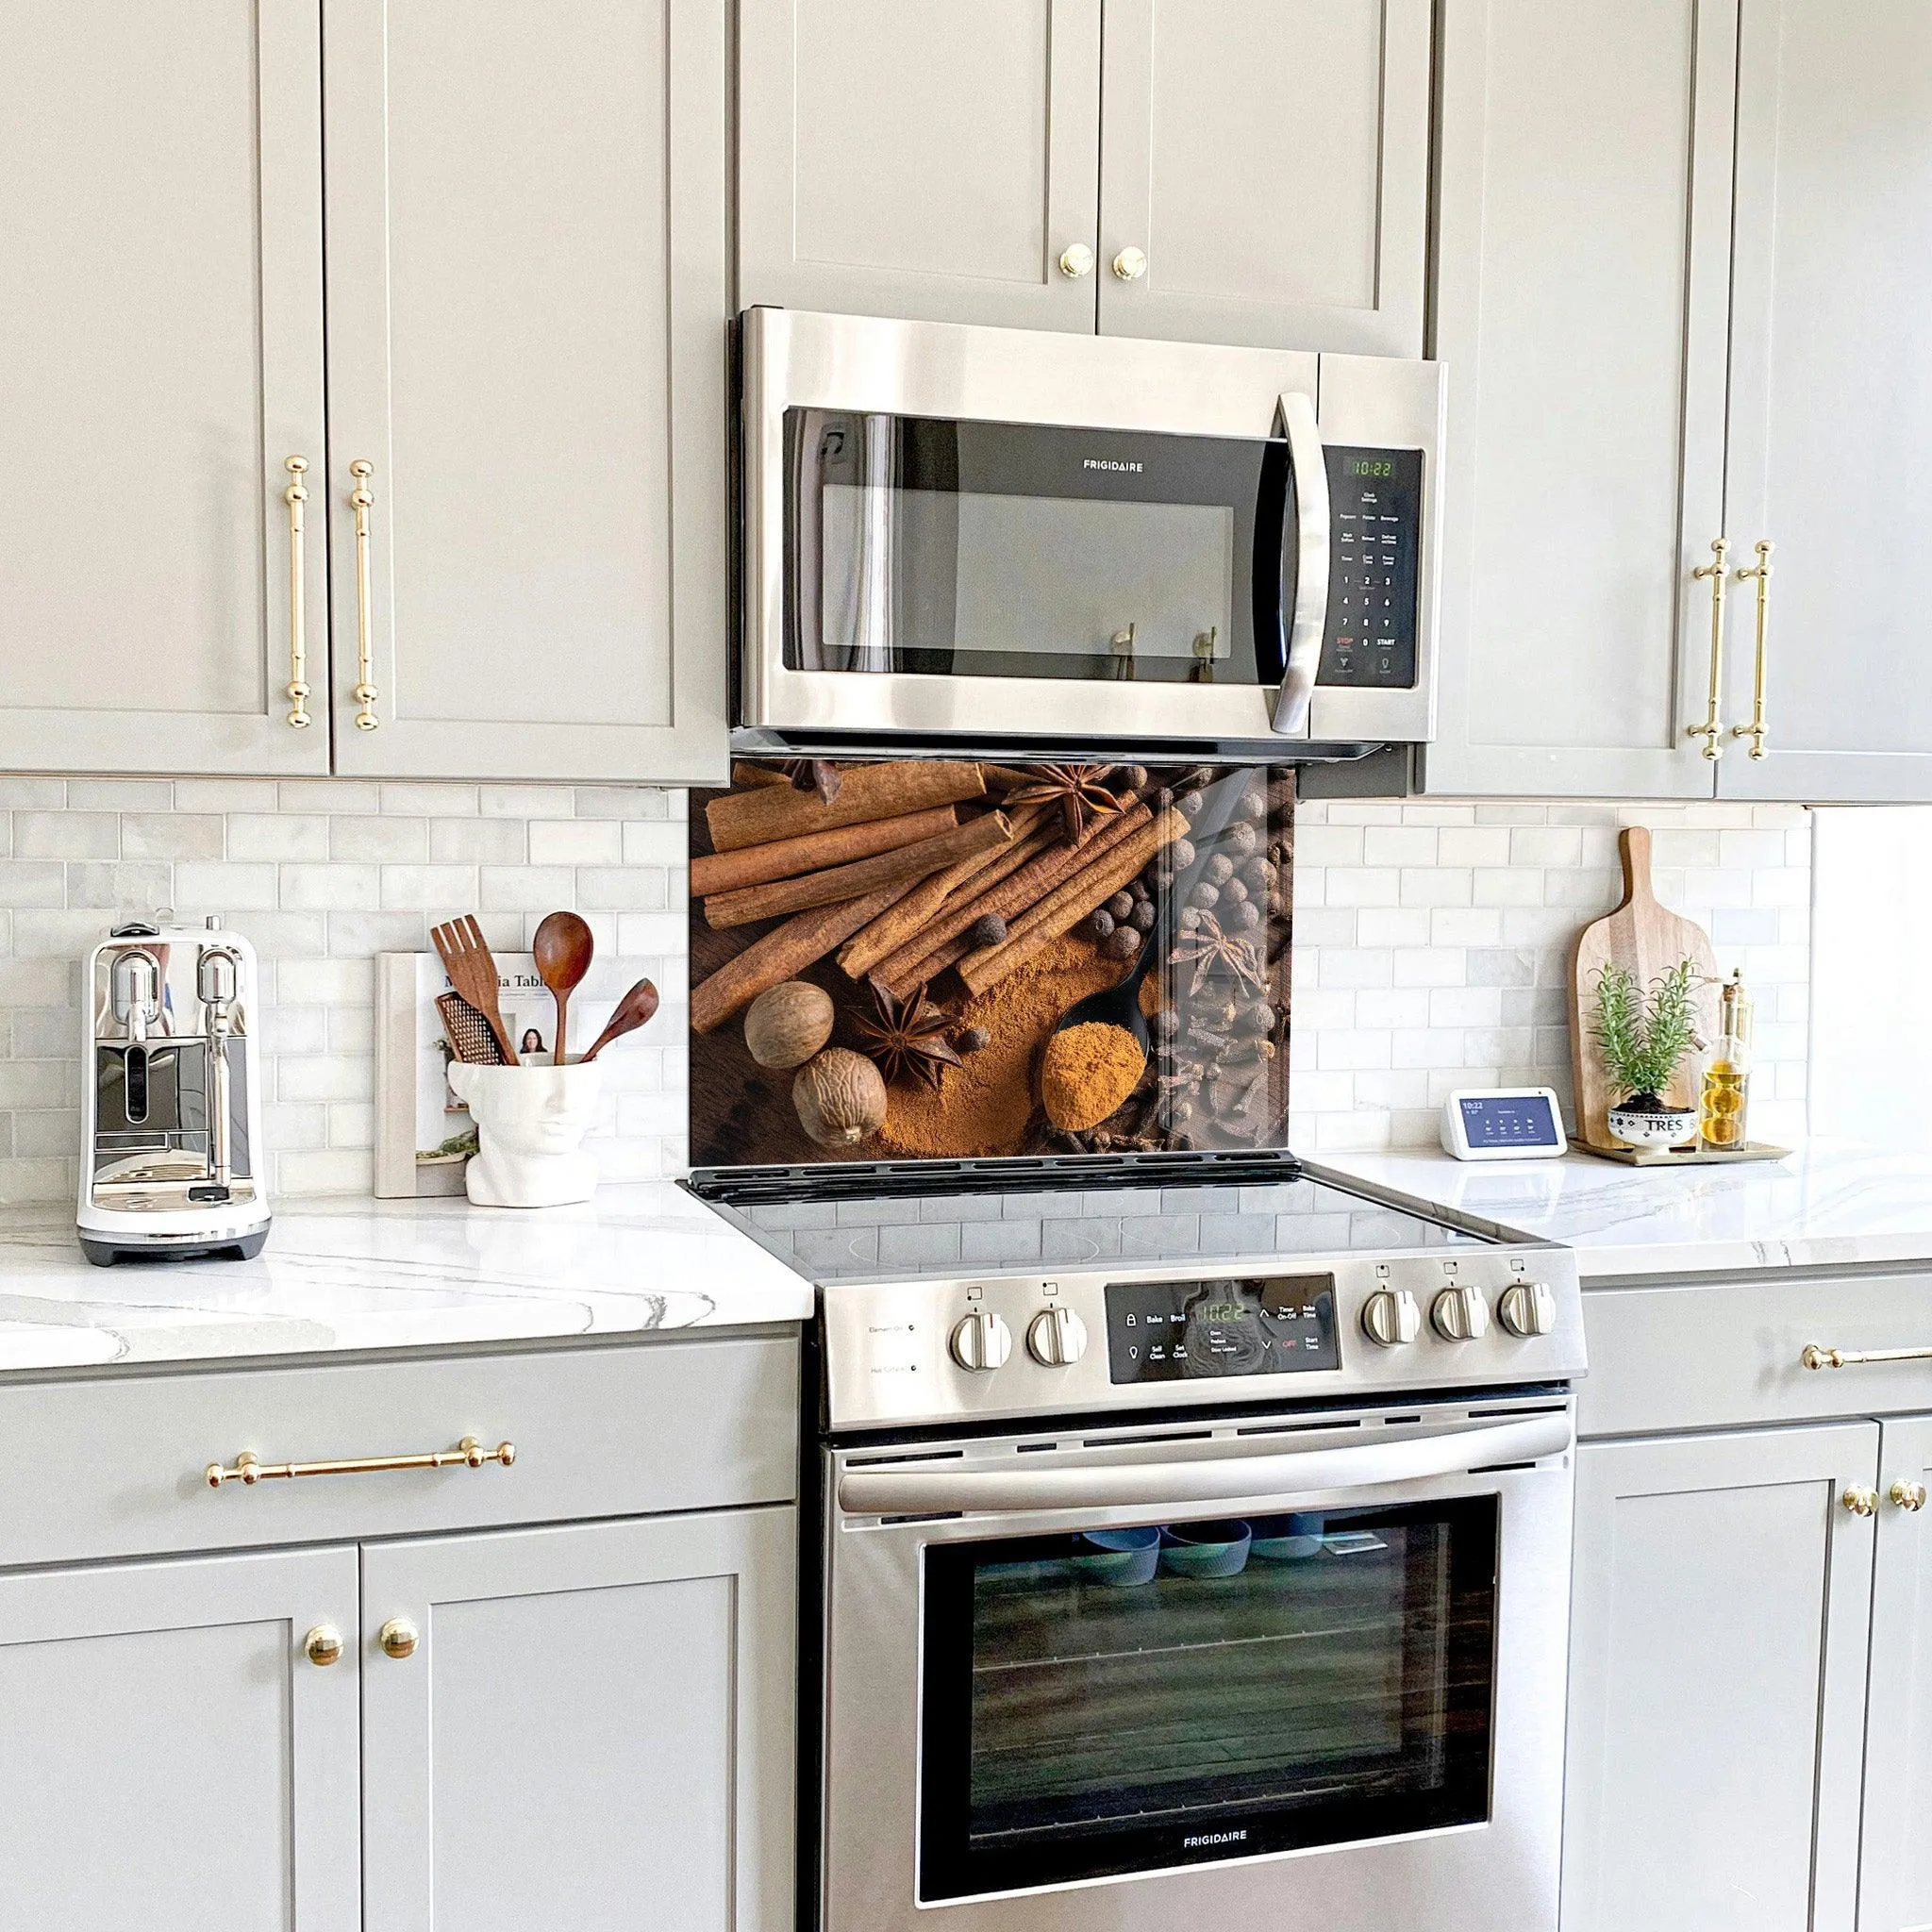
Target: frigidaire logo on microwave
x=1110 y=463
x=1213 y=1837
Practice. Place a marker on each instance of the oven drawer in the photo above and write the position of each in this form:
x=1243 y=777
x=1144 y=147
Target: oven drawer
x=117 y=1465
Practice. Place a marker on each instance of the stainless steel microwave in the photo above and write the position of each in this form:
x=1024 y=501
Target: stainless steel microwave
x=957 y=533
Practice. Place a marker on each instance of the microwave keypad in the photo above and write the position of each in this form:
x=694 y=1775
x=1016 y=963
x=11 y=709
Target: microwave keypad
x=1375 y=505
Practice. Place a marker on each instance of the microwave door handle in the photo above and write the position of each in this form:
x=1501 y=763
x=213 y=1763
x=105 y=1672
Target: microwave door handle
x=1308 y=621
x=1205 y=1480
x=875 y=633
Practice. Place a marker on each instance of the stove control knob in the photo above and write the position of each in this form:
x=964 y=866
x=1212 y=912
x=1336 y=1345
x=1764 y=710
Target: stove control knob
x=1056 y=1338
x=1460 y=1314
x=1390 y=1316
x=982 y=1342
x=1526 y=1308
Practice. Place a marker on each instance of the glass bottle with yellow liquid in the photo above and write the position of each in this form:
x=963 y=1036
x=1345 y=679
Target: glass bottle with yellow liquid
x=1722 y=1106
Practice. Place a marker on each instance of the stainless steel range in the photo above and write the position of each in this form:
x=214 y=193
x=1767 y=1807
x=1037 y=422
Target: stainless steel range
x=1182 y=1590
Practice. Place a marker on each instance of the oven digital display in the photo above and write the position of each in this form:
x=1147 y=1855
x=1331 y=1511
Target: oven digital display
x=1192 y=1331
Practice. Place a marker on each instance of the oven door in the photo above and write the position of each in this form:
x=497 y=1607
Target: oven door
x=1307 y=1674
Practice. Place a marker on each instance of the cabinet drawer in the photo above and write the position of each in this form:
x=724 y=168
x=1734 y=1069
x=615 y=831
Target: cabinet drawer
x=1689 y=1355
x=116 y=1466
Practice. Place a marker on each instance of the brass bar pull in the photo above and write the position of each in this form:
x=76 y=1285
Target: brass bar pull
x=1713 y=730
x=469 y=1453
x=1755 y=730
x=1816 y=1358
x=360 y=501
x=295 y=495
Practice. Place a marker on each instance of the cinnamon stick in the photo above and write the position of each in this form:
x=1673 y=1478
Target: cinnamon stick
x=782 y=954
x=1061 y=910
x=903 y=866
x=748 y=774
x=763 y=816
x=897 y=925
x=785 y=858
x=929 y=952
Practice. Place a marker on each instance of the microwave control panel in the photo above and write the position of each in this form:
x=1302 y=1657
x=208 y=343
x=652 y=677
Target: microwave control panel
x=1375 y=521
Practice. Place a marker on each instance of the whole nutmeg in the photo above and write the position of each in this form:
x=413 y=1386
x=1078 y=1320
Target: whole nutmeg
x=1122 y=943
x=1234 y=890
x=1121 y=905
x=1218 y=870
x=1099 y=923
x=1205 y=895
x=1182 y=852
x=1244 y=838
x=840 y=1098
x=1137 y=777
x=1191 y=918
x=989 y=929
x=1144 y=916
x=788 y=1023
x=1192 y=803
x=972 y=1040
x=1245 y=917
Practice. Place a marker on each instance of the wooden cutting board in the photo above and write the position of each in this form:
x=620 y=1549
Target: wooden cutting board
x=1646 y=939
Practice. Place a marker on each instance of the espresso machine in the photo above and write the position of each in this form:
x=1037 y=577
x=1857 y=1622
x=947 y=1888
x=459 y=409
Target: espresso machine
x=171 y=1142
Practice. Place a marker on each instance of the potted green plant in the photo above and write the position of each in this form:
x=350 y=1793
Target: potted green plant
x=1642 y=1036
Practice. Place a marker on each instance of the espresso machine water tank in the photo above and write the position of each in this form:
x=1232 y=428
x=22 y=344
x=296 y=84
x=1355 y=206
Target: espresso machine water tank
x=171 y=1095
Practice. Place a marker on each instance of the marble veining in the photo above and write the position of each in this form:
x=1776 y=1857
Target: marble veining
x=346 y=1274
x=1832 y=1204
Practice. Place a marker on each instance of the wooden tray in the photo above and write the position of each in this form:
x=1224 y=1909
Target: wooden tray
x=1693 y=1156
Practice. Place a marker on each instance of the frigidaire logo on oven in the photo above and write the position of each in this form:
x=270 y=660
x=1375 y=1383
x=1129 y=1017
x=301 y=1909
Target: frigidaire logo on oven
x=1213 y=1837
x=1110 y=463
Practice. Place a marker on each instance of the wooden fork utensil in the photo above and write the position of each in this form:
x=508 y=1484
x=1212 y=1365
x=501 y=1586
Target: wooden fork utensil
x=466 y=958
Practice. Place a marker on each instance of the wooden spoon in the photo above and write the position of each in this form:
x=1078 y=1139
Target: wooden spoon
x=564 y=946
x=633 y=1009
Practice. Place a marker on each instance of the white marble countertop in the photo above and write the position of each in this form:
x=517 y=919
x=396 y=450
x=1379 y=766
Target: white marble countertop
x=344 y=1275
x=1831 y=1204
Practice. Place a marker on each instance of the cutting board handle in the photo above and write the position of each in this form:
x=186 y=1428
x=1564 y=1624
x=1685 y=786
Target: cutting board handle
x=1635 y=843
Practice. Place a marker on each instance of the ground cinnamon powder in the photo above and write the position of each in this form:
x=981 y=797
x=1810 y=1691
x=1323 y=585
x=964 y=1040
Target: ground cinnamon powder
x=1088 y=1072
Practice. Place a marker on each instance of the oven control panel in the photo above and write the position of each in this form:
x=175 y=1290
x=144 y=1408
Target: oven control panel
x=1032 y=1343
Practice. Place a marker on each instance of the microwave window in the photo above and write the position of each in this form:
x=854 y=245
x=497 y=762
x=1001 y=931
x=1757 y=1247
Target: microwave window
x=1128 y=1700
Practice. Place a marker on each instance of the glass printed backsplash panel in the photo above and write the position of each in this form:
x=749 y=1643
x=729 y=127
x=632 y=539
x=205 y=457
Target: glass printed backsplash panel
x=880 y=954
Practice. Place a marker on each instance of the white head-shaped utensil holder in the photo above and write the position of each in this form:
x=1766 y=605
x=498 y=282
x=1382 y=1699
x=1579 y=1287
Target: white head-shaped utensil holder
x=531 y=1125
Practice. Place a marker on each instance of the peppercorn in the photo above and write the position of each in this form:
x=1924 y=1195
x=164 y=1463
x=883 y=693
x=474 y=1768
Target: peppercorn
x=1122 y=943
x=1204 y=896
x=1244 y=838
x=1234 y=892
x=989 y=929
x=972 y=1040
x=1121 y=905
x=1099 y=923
x=1182 y=852
x=1245 y=917
x=1144 y=916
x=1192 y=804
x=1219 y=869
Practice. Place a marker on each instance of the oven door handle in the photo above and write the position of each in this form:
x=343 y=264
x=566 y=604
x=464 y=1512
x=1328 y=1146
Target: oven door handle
x=1244 y=1477
x=1309 y=622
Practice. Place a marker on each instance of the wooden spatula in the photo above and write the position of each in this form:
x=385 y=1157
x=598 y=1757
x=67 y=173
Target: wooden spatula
x=465 y=957
x=1645 y=940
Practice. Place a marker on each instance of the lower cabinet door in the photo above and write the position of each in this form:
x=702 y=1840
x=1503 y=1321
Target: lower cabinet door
x=171 y=1760
x=1718 y=1630
x=588 y=1727
x=1895 y=1868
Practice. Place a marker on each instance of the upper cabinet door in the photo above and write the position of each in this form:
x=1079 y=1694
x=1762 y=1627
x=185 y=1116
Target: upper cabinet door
x=921 y=158
x=528 y=322
x=1583 y=258
x=160 y=360
x=1831 y=397
x=1265 y=173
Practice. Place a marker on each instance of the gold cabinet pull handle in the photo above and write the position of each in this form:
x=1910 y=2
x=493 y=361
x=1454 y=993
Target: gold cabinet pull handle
x=1713 y=730
x=323 y=1646
x=1909 y=1495
x=295 y=495
x=1755 y=730
x=1816 y=1358
x=249 y=1469
x=1860 y=1501
x=398 y=1638
x=365 y=693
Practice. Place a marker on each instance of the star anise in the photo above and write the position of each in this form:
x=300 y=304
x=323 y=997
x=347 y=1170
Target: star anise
x=813 y=775
x=908 y=1036
x=1079 y=792
x=1210 y=950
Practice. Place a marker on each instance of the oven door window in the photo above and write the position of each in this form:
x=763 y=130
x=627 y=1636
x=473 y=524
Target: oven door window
x=967 y=549
x=1239 y=1688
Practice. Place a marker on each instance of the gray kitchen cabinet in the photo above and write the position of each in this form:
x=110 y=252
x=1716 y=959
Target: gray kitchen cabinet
x=1270 y=165
x=919 y=159
x=161 y=200
x=1720 y=1616
x=528 y=307
x=1895 y=1860
x=1581 y=302
x=169 y=1756
x=593 y=1727
x=1831 y=396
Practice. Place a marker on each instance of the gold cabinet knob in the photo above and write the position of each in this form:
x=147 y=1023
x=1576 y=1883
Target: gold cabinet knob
x=1861 y=1501
x=398 y=1638
x=1076 y=259
x=1909 y=1495
x=323 y=1645
x=1130 y=264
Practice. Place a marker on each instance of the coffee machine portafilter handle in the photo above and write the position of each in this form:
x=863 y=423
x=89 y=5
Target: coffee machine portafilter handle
x=218 y=977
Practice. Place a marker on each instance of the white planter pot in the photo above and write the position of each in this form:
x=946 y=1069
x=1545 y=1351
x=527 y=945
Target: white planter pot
x=531 y=1125
x=1647 y=1129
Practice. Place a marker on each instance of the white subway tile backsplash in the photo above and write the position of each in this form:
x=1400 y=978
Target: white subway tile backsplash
x=367 y=839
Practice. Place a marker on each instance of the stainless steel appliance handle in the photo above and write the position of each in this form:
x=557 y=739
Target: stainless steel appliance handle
x=1205 y=1480
x=1309 y=620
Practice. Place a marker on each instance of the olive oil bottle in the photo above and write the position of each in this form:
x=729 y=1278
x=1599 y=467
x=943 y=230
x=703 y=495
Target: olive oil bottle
x=1723 y=1105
